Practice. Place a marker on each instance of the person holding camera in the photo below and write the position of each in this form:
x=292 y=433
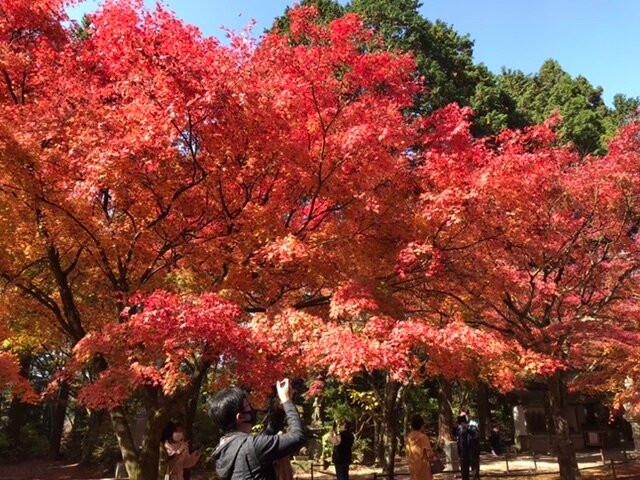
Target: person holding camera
x=342 y=449
x=241 y=455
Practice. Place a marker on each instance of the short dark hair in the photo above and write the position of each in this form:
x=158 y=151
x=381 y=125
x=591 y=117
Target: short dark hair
x=417 y=422
x=462 y=419
x=225 y=405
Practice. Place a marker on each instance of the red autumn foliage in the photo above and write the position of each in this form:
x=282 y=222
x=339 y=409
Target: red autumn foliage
x=147 y=164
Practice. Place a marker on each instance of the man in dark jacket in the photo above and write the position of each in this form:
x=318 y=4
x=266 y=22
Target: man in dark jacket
x=468 y=449
x=242 y=456
x=342 y=450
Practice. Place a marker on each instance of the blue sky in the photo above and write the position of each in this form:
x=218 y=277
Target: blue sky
x=595 y=38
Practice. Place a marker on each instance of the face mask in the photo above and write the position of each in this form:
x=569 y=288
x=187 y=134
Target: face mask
x=253 y=416
x=177 y=437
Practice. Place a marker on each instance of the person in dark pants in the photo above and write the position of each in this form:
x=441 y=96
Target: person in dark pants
x=342 y=449
x=468 y=449
x=241 y=455
x=495 y=442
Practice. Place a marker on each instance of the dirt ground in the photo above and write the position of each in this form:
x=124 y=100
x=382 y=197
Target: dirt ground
x=520 y=468
x=47 y=470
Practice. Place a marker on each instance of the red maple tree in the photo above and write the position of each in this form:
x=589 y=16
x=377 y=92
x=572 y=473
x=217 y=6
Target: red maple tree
x=146 y=165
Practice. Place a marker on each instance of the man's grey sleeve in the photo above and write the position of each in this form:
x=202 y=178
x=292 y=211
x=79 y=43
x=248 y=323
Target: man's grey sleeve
x=272 y=447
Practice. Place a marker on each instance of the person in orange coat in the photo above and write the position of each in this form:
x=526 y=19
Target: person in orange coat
x=419 y=451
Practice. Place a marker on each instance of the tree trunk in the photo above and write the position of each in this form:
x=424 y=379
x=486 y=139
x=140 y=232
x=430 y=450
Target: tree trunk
x=126 y=443
x=16 y=418
x=564 y=446
x=190 y=411
x=191 y=407
x=445 y=414
x=484 y=411
x=17 y=409
x=150 y=449
x=406 y=420
x=378 y=442
x=390 y=426
x=58 y=415
x=91 y=437
x=78 y=430
x=142 y=463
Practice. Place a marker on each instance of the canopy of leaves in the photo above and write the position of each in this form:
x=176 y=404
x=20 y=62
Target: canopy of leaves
x=276 y=196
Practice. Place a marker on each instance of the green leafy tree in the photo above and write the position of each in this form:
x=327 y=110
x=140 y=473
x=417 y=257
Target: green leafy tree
x=444 y=57
x=495 y=108
x=329 y=10
x=624 y=110
x=581 y=105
